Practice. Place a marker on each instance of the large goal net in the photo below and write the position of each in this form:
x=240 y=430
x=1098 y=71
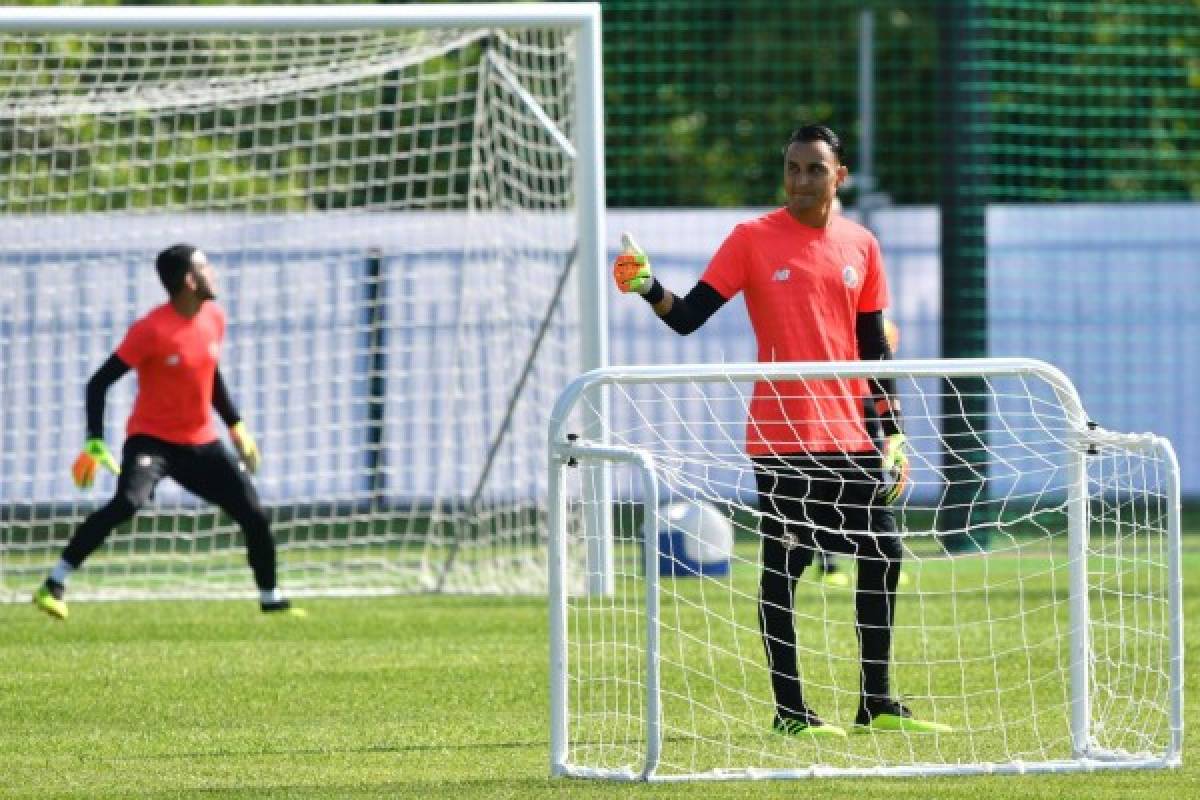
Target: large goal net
x=1057 y=649
x=398 y=210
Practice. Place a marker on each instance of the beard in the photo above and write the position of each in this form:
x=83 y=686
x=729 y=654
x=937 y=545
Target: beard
x=205 y=291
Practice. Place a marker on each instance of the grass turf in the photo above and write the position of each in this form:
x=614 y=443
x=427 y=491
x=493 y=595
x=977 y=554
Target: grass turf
x=421 y=697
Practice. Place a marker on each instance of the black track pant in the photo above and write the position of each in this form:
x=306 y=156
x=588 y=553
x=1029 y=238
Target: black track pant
x=208 y=471
x=825 y=502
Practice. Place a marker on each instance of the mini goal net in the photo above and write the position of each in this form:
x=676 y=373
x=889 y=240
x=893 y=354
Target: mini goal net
x=1058 y=649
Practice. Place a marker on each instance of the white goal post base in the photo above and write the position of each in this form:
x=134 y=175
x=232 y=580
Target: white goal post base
x=404 y=206
x=1057 y=649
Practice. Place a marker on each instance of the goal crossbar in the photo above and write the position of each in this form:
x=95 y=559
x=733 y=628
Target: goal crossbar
x=296 y=17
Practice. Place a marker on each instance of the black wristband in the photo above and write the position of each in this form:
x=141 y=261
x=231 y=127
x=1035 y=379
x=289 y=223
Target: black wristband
x=655 y=293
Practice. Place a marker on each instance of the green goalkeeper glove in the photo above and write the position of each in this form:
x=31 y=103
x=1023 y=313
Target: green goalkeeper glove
x=246 y=446
x=95 y=452
x=895 y=467
x=631 y=270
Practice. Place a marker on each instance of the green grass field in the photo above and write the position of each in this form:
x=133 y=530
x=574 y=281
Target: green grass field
x=410 y=697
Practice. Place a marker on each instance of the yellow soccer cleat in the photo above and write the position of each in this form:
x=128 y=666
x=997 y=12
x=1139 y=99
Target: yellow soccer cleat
x=891 y=716
x=811 y=726
x=45 y=601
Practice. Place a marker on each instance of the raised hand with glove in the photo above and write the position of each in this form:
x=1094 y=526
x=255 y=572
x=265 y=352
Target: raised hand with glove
x=631 y=270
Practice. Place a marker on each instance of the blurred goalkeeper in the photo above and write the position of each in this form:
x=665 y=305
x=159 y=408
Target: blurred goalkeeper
x=170 y=433
x=815 y=290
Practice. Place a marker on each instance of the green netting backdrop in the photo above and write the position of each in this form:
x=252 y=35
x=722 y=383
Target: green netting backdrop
x=1080 y=100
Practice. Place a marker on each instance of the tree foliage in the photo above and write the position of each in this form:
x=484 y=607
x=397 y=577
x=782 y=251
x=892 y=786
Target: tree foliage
x=1084 y=100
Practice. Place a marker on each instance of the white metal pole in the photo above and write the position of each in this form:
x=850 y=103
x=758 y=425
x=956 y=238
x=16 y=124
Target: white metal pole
x=1174 y=597
x=653 y=660
x=556 y=520
x=593 y=293
x=1077 y=542
x=294 y=17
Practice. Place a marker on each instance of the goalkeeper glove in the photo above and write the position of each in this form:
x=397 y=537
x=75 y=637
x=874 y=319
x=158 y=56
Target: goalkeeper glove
x=895 y=468
x=631 y=270
x=246 y=446
x=94 y=452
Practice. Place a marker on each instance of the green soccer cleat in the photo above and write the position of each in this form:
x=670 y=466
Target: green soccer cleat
x=283 y=608
x=44 y=598
x=810 y=726
x=891 y=716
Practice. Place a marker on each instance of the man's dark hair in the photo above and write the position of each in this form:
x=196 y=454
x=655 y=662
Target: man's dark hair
x=173 y=265
x=816 y=133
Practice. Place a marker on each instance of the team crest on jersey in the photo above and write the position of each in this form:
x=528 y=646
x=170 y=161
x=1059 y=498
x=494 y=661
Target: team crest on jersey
x=849 y=276
x=173 y=360
x=782 y=274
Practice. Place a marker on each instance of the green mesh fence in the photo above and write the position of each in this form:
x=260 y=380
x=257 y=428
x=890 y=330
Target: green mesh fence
x=1080 y=101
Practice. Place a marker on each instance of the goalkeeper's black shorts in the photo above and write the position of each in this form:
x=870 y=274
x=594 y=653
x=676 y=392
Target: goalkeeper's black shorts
x=209 y=471
x=822 y=502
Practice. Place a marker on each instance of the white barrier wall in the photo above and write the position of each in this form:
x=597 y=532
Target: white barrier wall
x=1110 y=294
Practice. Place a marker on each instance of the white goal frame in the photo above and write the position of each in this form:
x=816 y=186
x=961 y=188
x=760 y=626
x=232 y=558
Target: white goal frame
x=586 y=150
x=567 y=450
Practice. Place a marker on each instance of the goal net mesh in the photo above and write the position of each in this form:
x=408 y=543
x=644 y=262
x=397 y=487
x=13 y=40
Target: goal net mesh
x=392 y=219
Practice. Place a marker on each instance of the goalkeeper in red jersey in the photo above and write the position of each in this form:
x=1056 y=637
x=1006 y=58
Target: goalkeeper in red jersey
x=815 y=290
x=174 y=349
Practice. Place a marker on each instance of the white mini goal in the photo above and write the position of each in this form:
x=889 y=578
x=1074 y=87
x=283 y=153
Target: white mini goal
x=1058 y=648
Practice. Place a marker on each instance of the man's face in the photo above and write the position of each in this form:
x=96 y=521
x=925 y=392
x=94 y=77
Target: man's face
x=204 y=278
x=811 y=175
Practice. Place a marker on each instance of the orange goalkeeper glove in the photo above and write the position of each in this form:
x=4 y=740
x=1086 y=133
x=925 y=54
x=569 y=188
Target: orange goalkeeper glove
x=95 y=453
x=631 y=270
x=246 y=446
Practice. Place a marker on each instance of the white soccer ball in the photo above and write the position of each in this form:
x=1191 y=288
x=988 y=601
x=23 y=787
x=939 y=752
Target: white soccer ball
x=707 y=533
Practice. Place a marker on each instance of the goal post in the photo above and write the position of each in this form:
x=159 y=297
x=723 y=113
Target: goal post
x=405 y=209
x=1058 y=650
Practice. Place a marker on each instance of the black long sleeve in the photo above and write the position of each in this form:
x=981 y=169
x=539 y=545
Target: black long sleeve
x=222 y=402
x=690 y=312
x=872 y=338
x=109 y=373
x=873 y=346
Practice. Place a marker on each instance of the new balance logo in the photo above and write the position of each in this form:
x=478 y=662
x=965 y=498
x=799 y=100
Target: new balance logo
x=782 y=275
x=173 y=360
